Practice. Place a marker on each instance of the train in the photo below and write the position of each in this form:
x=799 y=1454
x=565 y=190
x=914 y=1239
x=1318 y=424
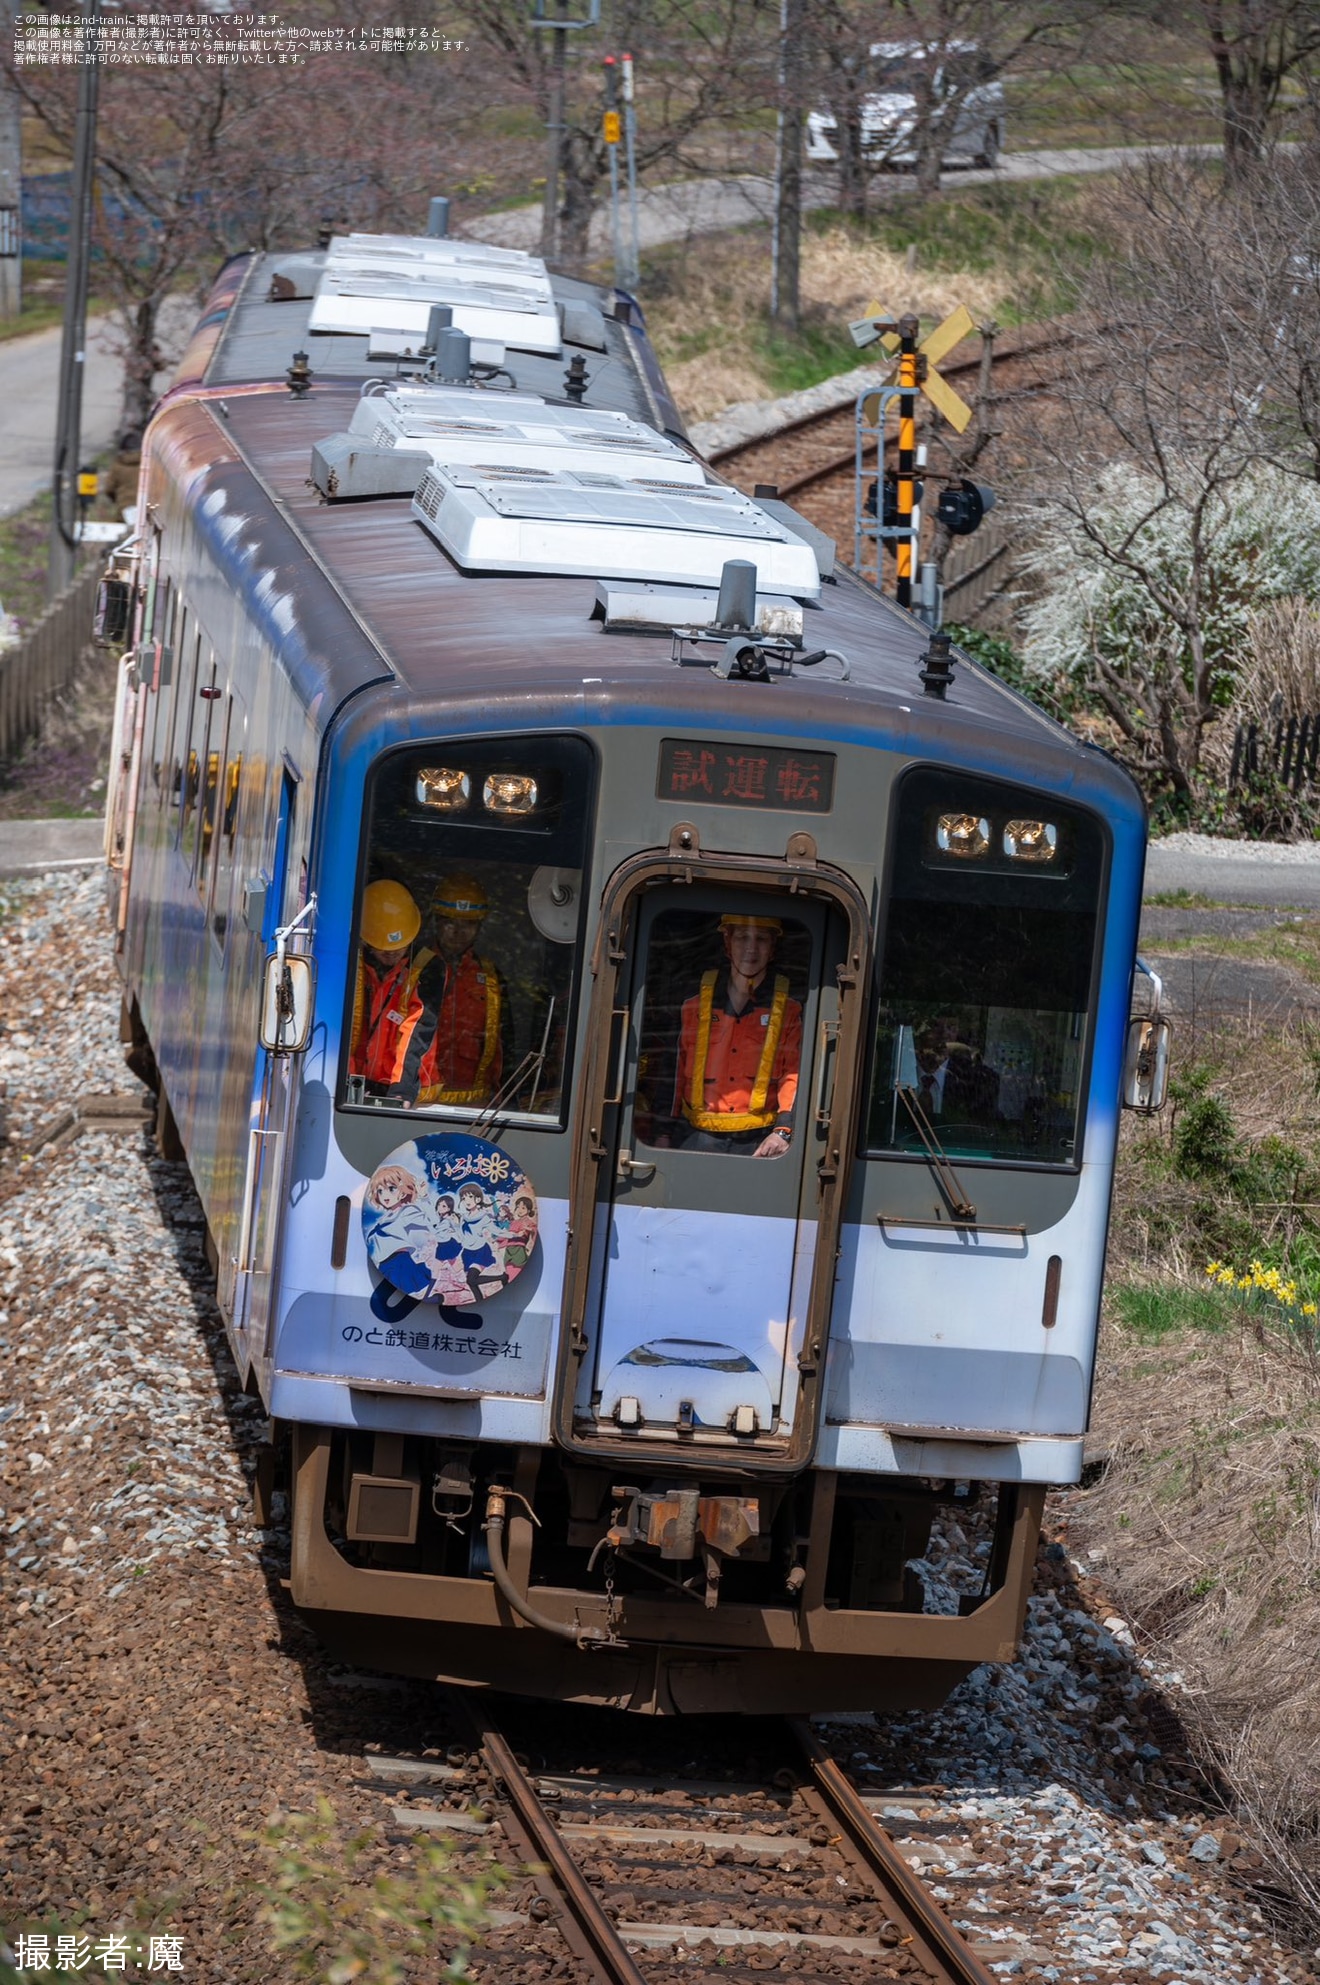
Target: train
x=510 y=819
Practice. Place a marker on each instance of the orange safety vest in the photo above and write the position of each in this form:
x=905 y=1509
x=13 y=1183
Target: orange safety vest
x=758 y=1112
x=386 y=1009
x=463 y=1062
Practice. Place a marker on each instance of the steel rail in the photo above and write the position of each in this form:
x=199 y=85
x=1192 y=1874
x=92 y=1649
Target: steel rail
x=943 y=1951
x=1033 y=348
x=586 y=1928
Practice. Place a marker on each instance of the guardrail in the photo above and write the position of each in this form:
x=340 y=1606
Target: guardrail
x=44 y=660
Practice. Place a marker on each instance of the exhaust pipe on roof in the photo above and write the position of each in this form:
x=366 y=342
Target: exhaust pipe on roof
x=437 y=219
x=453 y=357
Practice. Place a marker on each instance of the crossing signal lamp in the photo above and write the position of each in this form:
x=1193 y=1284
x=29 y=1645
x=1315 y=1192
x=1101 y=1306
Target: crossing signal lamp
x=962 y=506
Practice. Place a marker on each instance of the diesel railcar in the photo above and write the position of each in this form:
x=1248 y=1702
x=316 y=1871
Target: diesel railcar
x=646 y=1027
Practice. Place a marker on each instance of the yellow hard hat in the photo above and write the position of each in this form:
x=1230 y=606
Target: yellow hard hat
x=460 y=896
x=390 y=917
x=734 y=920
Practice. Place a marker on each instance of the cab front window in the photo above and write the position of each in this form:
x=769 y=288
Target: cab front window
x=986 y=969
x=466 y=937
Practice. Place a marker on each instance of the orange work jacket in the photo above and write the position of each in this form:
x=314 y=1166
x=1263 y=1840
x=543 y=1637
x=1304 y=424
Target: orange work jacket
x=738 y=1072
x=386 y=1009
x=461 y=1058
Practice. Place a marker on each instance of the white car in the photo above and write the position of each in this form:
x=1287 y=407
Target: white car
x=889 y=110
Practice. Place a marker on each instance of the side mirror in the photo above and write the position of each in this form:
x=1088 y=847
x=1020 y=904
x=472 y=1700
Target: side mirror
x=114 y=611
x=288 y=996
x=1146 y=1065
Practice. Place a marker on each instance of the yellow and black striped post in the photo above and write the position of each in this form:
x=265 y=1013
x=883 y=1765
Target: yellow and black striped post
x=907 y=457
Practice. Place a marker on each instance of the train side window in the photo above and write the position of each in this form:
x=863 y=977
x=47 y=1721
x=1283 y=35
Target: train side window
x=226 y=823
x=166 y=678
x=176 y=750
x=469 y=914
x=197 y=746
x=987 y=965
x=162 y=606
x=212 y=785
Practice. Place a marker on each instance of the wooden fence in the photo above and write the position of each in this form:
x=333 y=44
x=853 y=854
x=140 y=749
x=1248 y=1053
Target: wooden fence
x=1286 y=747
x=45 y=659
x=977 y=569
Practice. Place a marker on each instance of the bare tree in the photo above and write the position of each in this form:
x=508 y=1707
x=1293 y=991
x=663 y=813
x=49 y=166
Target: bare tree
x=1272 y=251
x=1256 y=45
x=937 y=54
x=695 y=65
x=842 y=38
x=1162 y=527
x=197 y=163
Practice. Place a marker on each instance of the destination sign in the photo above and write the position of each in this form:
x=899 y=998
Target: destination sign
x=712 y=773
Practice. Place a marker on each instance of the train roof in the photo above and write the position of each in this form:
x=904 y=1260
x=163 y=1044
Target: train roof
x=378 y=590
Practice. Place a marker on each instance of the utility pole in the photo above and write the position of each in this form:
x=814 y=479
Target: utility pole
x=612 y=129
x=786 y=244
x=11 y=179
x=554 y=133
x=634 y=276
x=68 y=433
x=561 y=26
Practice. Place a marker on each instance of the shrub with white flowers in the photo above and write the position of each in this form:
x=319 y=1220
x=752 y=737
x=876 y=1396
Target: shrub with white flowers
x=1146 y=601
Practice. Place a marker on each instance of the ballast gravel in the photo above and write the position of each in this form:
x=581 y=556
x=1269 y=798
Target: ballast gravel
x=160 y=1697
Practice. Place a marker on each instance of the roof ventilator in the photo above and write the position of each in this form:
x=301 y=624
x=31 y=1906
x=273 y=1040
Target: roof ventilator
x=437 y=218
x=747 y=654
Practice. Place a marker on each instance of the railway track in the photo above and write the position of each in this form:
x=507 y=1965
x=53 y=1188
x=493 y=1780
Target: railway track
x=811 y=461
x=773 y=1863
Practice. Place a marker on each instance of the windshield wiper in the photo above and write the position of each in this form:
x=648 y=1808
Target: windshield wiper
x=945 y=1177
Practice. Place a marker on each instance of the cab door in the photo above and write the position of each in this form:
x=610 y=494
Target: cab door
x=268 y=1118
x=706 y=1246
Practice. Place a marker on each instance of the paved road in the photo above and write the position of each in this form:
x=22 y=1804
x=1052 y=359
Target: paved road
x=703 y=206
x=29 y=383
x=1235 y=871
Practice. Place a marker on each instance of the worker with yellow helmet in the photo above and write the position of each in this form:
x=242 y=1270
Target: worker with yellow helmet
x=740 y=1048
x=457 y=1051
x=386 y=1003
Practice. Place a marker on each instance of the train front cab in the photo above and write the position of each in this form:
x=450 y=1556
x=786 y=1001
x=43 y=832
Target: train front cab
x=747 y=1381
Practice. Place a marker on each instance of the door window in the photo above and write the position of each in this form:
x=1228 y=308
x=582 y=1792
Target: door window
x=720 y=1032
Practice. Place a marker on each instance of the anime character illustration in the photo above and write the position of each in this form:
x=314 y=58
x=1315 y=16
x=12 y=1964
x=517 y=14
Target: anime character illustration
x=450 y=1219
x=480 y=1230
x=403 y=1236
x=520 y=1238
x=450 y=1246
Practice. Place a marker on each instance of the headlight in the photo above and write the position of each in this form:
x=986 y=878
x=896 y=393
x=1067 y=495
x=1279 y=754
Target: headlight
x=1031 y=840
x=966 y=835
x=509 y=792
x=443 y=788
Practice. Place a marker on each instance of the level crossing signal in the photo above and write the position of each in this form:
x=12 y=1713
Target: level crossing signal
x=875 y=328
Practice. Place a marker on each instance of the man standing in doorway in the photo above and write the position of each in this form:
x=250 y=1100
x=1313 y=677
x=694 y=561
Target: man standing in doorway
x=740 y=1048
